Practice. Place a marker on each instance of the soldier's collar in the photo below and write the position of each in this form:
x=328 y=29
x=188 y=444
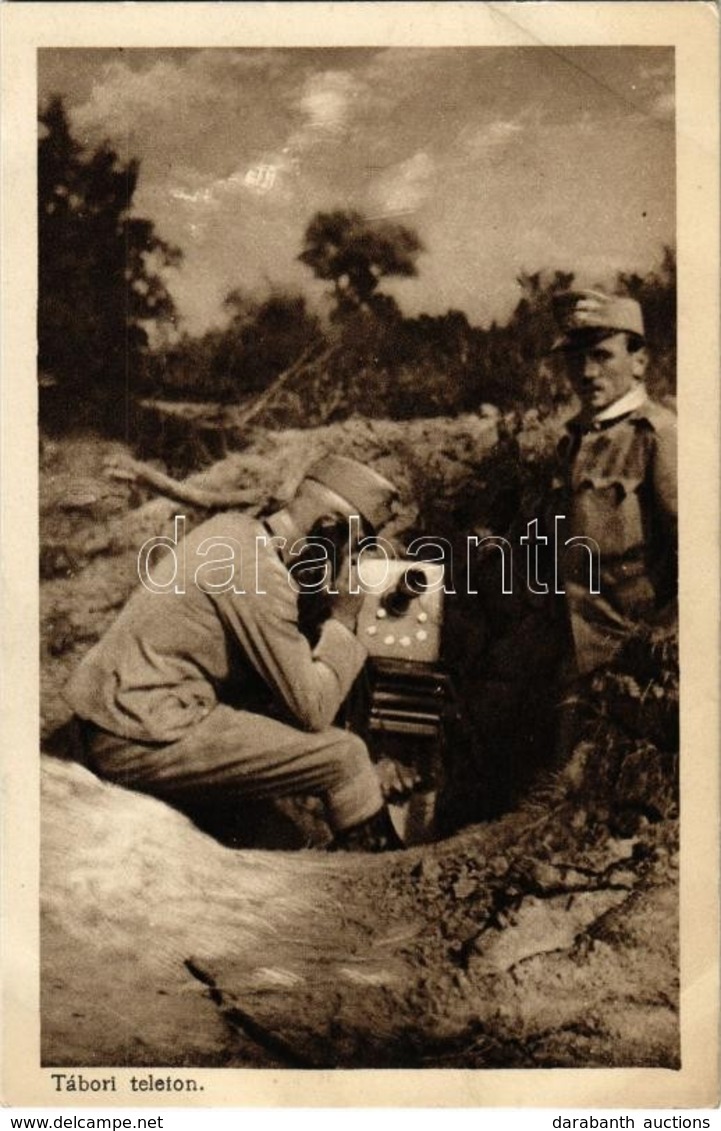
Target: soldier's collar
x=280 y=524
x=631 y=403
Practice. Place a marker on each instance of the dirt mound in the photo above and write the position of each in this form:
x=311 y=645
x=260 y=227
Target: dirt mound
x=525 y=942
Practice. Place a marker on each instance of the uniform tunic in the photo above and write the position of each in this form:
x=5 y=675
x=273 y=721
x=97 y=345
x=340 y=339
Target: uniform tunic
x=215 y=685
x=618 y=477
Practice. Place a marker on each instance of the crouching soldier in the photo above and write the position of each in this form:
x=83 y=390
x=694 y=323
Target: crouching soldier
x=210 y=687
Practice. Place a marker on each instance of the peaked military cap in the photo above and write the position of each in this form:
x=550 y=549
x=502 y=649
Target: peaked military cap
x=587 y=314
x=369 y=493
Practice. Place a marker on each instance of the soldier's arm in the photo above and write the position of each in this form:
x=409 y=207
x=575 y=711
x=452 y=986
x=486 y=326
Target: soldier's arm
x=664 y=479
x=312 y=683
x=665 y=469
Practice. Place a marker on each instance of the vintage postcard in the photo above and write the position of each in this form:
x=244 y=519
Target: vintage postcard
x=360 y=560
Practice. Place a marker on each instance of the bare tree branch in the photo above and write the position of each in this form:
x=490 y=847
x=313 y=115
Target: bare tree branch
x=182 y=492
x=282 y=379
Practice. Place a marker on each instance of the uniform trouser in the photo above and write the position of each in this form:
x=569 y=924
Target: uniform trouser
x=255 y=757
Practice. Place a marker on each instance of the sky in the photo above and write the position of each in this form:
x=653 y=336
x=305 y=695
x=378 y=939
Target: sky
x=501 y=159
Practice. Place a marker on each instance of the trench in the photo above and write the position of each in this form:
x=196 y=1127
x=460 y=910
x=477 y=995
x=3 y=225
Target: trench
x=510 y=933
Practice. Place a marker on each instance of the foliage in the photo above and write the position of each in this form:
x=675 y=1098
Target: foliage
x=184 y=370
x=639 y=692
x=443 y=364
x=101 y=288
x=355 y=254
x=99 y=281
x=657 y=294
x=261 y=340
x=382 y=364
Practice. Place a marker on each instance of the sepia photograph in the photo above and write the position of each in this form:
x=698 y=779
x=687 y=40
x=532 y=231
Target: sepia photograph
x=356 y=435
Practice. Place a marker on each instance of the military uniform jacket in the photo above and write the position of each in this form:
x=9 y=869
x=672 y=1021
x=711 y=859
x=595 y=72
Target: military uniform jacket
x=617 y=487
x=171 y=656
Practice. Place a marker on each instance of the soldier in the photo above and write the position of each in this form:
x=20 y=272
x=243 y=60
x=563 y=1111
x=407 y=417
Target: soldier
x=618 y=464
x=212 y=690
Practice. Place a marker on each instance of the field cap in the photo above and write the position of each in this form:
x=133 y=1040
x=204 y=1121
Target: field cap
x=587 y=314
x=368 y=493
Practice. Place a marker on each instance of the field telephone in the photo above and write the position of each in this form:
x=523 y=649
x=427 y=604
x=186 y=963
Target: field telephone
x=403 y=703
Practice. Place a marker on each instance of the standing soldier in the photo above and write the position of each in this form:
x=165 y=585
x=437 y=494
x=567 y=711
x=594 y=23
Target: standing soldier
x=618 y=470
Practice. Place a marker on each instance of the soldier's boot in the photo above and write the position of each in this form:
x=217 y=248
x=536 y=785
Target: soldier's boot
x=375 y=834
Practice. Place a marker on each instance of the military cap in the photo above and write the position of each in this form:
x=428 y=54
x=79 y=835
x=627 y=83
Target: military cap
x=365 y=490
x=582 y=314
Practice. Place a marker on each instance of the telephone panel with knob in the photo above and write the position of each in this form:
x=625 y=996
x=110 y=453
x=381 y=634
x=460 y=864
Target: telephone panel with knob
x=402 y=612
x=403 y=704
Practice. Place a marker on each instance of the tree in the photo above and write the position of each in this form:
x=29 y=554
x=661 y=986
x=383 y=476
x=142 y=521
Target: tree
x=263 y=339
x=99 y=286
x=656 y=292
x=355 y=254
x=521 y=371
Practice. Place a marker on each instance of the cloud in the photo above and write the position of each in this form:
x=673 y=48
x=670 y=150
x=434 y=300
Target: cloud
x=654 y=85
x=322 y=104
x=239 y=148
x=326 y=104
x=124 y=99
x=395 y=75
x=326 y=100
x=404 y=187
x=477 y=140
x=219 y=199
x=160 y=105
x=211 y=126
x=664 y=105
x=659 y=70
